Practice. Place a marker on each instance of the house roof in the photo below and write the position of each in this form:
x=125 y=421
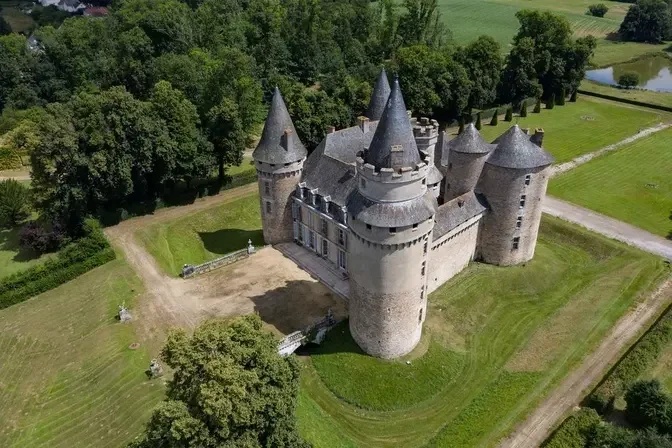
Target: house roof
x=515 y=150
x=381 y=92
x=455 y=212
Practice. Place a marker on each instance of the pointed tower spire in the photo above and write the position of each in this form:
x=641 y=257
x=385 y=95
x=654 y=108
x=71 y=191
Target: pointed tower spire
x=381 y=92
x=279 y=143
x=470 y=141
x=393 y=144
x=515 y=150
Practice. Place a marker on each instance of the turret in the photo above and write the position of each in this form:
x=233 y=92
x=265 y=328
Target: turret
x=462 y=162
x=279 y=158
x=391 y=218
x=514 y=182
x=381 y=92
x=426 y=133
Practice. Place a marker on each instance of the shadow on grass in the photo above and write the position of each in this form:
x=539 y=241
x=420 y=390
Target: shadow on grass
x=9 y=241
x=297 y=305
x=225 y=241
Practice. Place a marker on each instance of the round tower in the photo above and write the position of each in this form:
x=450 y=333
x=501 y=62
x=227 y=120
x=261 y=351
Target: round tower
x=279 y=158
x=426 y=134
x=462 y=162
x=391 y=218
x=514 y=183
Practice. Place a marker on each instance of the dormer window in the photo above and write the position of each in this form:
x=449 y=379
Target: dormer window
x=393 y=230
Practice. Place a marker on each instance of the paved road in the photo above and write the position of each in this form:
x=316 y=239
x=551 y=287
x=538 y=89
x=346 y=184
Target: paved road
x=610 y=227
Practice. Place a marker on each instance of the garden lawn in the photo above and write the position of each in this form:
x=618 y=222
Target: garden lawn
x=582 y=127
x=645 y=96
x=496 y=341
x=633 y=184
x=12 y=258
x=204 y=236
x=67 y=375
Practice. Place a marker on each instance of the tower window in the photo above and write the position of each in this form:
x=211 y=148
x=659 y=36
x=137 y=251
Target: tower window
x=362 y=182
x=422 y=293
x=450 y=166
x=519 y=222
x=268 y=207
x=420 y=316
x=522 y=201
x=424 y=249
x=368 y=227
x=393 y=230
x=516 y=243
x=424 y=266
x=415 y=226
x=528 y=179
x=267 y=188
x=424 y=181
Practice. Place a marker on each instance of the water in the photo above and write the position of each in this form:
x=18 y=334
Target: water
x=655 y=73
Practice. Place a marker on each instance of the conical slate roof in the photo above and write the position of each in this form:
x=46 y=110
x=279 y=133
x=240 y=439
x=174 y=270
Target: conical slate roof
x=470 y=141
x=393 y=144
x=515 y=150
x=274 y=147
x=381 y=92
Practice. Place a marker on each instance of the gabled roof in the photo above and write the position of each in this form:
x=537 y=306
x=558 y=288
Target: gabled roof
x=393 y=135
x=273 y=147
x=470 y=141
x=381 y=92
x=515 y=150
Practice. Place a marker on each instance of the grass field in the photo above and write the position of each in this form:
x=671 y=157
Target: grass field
x=646 y=96
x=203 y=236
x=67 y=376
x=496 y=341
x=11 y=12
x=12 y=259
x=581 y=127
x=633 y=184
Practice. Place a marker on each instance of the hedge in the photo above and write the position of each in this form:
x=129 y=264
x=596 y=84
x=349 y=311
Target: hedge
x=79 y=257
x=640 y=357
x=573 y=432
x=625 y=100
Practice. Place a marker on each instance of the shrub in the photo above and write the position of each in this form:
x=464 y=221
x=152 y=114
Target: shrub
x=574 y=96
x=537 y=107
x=72 y=261
x=479 y=124
x=523 y=110
x=628 y=80
x=561 y=97
x=495 y=119
x=574 y=432
x=14 y=198
x=550 y=102
x=649 y=406
x=41 y=237
x=598 y=10
x=509 y=114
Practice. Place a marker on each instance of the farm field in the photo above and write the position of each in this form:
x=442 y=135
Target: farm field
x=645 y=96
x=592 y=124
x=203 y=236
x=67 y=375
x=496 y=341
x=632 y=184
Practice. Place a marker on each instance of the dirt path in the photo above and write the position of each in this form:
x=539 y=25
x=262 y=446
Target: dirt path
x=610 y=227
x=536 y=428
x=15 y=174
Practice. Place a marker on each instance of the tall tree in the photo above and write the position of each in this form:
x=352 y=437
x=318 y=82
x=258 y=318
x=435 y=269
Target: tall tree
x=519 y=79
x=230 y=388
x=483 y=62
x=422 y=24
x=647 y=21
x=226 y=132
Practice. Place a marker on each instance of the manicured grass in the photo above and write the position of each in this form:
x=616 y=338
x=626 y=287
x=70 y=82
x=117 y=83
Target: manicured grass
x=67 y=376
x=247 y=166
x=610 y=52
x=12 y=257
x=633 y=184
x=519 y=331
x=203 y=236
x=645 y=96
x=581 y=127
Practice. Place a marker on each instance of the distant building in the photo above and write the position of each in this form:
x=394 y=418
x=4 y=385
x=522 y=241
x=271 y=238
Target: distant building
x=99 y=11
x=398 y=208
x=64 y=5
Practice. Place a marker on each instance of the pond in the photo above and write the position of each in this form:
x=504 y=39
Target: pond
x=655 y=73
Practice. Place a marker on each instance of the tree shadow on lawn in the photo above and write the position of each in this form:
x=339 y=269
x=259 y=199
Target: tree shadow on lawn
x=297 y=305
x=225 y=241
x=9 y=241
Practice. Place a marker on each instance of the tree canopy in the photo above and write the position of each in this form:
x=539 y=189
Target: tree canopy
x=647 y=21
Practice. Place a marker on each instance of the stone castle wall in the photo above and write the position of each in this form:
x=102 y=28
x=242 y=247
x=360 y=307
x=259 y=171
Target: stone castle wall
x=503 y=188
x=276 y=189
x=462 y=173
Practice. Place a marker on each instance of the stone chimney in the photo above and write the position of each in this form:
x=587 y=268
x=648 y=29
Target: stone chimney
x=287 y=139
x=364 y=124
x=538 y=137
x=331 y=129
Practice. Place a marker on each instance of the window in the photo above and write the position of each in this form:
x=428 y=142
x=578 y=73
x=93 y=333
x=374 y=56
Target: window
x=295 y=211
x=393 y=230
x=325 y=248
x=422 y=271
x=424 y=249
x=311 y=239
x=519 y=222
x=342 y=238
x=447 y=187
x=325 y=227
x=522 y=201
x=341 y=260
x=424 y=181
x=267 y=188
x=415 y=226
x=450 y=166
x=299 y=214
x=362 y=182
x=422 y=293
x=420 y=317
x=528 y=179
x=301 y=230
x=310 y=218
x=516 y=243
x=268 y=207
x=368 y=227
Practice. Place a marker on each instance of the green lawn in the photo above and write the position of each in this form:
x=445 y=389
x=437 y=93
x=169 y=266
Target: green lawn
x=20 y=22
x=581 y=127
x=645 y=96
x=247 y=166
x=12 y=258
x=203 y=236
x=496 y=342
x=67 y=376
x=633 y=184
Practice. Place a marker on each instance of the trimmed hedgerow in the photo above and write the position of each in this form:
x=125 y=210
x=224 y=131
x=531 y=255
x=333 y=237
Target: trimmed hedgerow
x=573 y=433
x=642 y=355
x=88 y=252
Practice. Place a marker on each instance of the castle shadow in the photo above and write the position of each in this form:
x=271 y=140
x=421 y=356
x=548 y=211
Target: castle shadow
x=225 y=241
x=297 y=305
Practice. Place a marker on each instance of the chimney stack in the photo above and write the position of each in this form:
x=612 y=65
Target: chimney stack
x=287 y=139
x=364 y=124
x=538 y=137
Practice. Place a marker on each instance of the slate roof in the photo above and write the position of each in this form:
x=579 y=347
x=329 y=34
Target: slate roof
x=393 y=132
x=270 y=148
x=392 y=214
x=381 y=92
x=515 y=150
x=451 y=214
x=434 y=176
x=470 y=141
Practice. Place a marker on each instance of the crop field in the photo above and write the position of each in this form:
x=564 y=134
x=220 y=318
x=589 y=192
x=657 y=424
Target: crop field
x=203 y=236
x=67 y=375
x=496 y=342
x=632 y=184
x=578 y=128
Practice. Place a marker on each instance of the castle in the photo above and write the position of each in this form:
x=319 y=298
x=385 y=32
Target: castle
x=399 y=208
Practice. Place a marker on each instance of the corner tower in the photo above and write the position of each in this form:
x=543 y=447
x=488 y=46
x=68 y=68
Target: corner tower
x=279 y=158
x=391 y=218
x=514 y=182
x=462 y=162
x=381 y=92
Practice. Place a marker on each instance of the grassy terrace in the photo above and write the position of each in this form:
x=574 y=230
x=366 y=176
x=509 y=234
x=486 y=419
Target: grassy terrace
x=496 y=341
x=67 y=375
x=591 y=123
x=632 y=184
x=203 y=236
